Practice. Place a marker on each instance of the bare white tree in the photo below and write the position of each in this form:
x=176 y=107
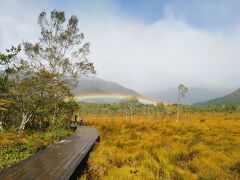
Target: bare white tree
x=182 y=90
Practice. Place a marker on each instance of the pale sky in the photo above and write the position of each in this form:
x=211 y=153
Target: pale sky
x=144 y=45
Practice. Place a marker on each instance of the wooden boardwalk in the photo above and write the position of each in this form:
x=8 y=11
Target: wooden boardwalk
x=59 y=161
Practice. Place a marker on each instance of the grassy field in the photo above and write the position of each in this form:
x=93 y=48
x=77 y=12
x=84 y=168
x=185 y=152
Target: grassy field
x=15 y=147
x=164 y=149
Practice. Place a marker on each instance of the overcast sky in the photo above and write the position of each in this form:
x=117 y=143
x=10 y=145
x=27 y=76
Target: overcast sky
x=145 y=45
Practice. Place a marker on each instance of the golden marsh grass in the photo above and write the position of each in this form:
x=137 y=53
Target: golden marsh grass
x=163 y=149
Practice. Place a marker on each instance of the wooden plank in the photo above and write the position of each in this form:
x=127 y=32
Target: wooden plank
x=59 y=161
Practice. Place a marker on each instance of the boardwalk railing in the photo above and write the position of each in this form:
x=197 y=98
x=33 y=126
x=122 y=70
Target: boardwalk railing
x=58 y=161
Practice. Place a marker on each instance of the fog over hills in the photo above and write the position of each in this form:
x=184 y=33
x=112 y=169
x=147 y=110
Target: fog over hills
x=149 y=46
x=194 y=95
x=94 y=85
x=232 y=98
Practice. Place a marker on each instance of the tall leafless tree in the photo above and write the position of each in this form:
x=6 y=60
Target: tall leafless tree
x=182 y=90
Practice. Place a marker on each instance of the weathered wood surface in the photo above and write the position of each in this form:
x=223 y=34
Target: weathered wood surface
x=59 y=161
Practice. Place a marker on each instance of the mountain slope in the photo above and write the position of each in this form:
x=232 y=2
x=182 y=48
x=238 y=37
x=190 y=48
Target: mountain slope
x=232 y=98
x=194 y=95
x=92 y=85
x=91 y=90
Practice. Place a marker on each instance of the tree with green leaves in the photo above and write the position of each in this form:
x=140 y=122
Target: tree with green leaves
x=41 y=83
x=61 y=51
x=5 y=61
x=5 y=81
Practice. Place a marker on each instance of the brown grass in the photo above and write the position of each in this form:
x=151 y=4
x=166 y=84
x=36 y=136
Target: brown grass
x=164 y=149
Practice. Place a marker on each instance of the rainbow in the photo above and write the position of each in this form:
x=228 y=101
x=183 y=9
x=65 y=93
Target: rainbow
x=84 y=97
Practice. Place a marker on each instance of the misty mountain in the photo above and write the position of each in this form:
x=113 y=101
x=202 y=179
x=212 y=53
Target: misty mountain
x=92 y=85
x=232 y=98
x=194 y=95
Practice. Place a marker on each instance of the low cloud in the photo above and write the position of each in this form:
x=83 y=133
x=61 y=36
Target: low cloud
x=165 y=54
x=140 y=55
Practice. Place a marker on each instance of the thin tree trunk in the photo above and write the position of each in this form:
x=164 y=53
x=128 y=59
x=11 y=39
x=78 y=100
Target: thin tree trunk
x=1 y=126
x=134 y=116
x=178 y=102
x=1 y=123
x=131 y=114
x=54 y=115
x=40 y=123
x=148 y=113
x=23 y=123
